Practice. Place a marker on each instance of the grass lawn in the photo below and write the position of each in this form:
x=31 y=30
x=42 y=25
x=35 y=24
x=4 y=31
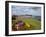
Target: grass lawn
x=36 y=25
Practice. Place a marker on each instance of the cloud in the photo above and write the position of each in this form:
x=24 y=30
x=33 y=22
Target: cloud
x=22 y=10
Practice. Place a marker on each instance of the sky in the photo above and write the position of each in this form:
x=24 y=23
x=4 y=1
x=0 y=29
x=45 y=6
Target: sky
x=23 y=10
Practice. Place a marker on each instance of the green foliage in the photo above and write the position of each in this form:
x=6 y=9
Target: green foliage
x=30 y=24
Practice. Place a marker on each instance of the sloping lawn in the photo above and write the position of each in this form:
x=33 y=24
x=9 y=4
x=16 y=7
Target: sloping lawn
x=36 y=25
